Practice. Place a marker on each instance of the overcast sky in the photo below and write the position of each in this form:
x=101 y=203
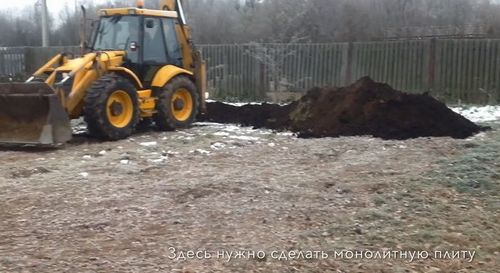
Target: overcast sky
x=55 y=6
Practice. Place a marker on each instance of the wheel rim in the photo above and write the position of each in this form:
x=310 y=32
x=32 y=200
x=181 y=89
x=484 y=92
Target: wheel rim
x=182 y=104
x=120 y=109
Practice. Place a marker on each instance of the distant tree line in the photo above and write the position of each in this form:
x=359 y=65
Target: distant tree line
x=284 y=21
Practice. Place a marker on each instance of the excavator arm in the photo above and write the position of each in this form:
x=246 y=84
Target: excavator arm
x=174 y=5
x=169 y=4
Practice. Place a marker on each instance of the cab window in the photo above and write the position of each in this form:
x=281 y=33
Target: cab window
x=154 y=46
x=116 y=33
x=173 y=46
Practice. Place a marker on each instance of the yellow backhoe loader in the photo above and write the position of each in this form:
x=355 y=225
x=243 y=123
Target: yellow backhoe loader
x=141 y=67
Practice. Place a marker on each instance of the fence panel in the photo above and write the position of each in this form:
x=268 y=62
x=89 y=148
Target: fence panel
x=12 y=62
x=18 y=62
x=468 y=70
x=453 y=70
x=250 y=71
x=401 y=64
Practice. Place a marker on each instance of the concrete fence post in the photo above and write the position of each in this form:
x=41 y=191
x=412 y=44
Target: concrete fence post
x=29 y=60
x=347 y=63
x=431 y=69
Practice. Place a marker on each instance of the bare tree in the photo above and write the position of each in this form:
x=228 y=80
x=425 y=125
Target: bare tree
x=285 y=21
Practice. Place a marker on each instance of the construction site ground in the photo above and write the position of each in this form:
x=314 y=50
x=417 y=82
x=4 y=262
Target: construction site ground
x=123 y=206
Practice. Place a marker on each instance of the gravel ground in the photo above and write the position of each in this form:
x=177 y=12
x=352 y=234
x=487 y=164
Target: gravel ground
x=122 y=206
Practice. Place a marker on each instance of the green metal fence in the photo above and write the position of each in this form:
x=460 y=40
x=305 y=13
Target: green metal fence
x=16 y=63
x=457 y=71
x=468 y=70
x=465 y=71
x=250 y=71
x=402 y=64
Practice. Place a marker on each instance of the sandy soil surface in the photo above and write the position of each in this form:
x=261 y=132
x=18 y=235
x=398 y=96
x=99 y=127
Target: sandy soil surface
x=122 y=206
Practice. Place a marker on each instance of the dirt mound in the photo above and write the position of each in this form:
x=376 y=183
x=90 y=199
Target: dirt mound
x=364 y=108
x=264 y=115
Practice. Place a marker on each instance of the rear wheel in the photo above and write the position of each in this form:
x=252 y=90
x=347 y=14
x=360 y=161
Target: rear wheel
x=111 y=108
x=177 y=104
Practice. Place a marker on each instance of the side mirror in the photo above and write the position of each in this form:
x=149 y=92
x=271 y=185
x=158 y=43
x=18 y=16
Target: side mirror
x=133 y=46
x=150 y=23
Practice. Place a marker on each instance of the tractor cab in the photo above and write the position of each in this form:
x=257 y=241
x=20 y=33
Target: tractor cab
x=149 y=38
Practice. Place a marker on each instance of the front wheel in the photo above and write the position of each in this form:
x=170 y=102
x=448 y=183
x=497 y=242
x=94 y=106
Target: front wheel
x=111 y=108
x=177 y=104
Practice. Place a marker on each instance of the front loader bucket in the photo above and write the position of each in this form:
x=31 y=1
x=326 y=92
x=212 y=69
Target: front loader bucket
x=31 y=113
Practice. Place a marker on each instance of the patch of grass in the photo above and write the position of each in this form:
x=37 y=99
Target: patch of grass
x=372 y=215
x=425 y=236
x=476 y=171
x=379 y=200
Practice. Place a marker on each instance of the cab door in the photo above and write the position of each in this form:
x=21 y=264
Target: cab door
x=154 y=52
x=174 y=51
x=160 y=47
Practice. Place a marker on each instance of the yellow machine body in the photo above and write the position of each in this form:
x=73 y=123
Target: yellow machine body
x=39 y=110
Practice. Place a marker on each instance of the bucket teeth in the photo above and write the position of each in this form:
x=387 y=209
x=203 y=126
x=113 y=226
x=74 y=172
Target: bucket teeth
x=31 y=113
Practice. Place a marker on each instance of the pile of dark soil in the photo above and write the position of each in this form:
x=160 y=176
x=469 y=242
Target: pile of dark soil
x=364 y=108
x=264 y=115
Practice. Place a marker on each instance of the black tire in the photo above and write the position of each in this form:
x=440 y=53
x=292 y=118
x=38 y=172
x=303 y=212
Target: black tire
x=96 y=113
x=165 y=118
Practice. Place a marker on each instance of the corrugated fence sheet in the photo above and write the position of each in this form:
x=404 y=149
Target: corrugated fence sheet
x=465 y=70
x=250 y=71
